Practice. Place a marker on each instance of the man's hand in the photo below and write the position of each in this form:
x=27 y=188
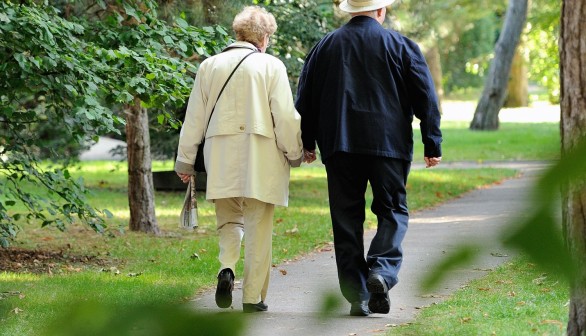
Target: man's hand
x=309 y=155
x=184 y=177
x=433 y=161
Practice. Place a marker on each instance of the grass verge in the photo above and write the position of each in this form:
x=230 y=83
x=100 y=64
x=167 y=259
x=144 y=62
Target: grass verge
x=516 y=298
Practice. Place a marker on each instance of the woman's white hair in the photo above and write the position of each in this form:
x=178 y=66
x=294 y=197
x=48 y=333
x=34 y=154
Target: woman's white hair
x=253 y=23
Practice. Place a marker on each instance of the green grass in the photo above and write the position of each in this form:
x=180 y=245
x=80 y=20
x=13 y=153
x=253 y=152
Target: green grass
x=514 y=299
x=512 y=142
x=143 y=269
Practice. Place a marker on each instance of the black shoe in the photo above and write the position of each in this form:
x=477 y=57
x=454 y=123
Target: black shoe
x=379 y=294
x=254 y=307
x=225 y=287
x=359 y=308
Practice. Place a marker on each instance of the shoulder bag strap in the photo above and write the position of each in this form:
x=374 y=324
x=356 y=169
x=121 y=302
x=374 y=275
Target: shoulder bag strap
x=222 y=90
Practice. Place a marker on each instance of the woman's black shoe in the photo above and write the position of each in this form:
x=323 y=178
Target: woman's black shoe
x=254 y=307
x=225 y=287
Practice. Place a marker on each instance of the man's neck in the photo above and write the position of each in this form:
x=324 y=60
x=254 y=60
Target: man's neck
x=371 y=14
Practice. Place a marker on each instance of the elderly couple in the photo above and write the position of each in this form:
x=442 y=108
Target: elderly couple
x=360 y=88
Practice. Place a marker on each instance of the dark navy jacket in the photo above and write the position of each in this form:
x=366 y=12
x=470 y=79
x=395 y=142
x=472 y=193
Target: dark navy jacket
x=359 y=89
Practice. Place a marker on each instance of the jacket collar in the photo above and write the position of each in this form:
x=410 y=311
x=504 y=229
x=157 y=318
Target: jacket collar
x=241 y=44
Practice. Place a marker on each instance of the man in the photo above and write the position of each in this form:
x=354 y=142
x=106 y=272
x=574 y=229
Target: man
x=359 y=89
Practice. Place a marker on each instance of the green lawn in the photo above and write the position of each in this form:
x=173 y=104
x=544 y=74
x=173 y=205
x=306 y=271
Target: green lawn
x=512 y=142
x=514 y=299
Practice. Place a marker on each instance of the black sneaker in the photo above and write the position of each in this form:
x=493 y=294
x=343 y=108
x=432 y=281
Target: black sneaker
x=379 y=294
x=359 y=308
x=225 y=287
x=254 y=307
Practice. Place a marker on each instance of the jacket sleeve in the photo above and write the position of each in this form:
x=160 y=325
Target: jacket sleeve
x=305 y=105
x=424 y=101
x=287 y=122
x=193 y=127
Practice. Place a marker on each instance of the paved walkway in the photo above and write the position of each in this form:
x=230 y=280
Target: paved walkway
x=480 y=216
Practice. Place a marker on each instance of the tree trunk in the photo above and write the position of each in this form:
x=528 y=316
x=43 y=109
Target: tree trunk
x=432 y=57
x=493 y=95
x=573 y=130
x=517 y=91
x=141 y=197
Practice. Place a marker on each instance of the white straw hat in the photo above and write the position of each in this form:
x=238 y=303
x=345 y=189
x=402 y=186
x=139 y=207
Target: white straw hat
x=356 y=6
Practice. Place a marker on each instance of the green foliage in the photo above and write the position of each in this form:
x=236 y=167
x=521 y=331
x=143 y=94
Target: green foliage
x=49 y=75
x=94 y=318
x=75 y=73
x=301 y=24
x=468 y=59
x=542 y=42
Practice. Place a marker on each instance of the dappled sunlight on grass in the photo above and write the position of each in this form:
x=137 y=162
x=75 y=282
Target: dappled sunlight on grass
x=18 y=277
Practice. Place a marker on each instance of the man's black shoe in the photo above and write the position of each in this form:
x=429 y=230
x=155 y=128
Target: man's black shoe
x=359 y=308
x=379 y=303
x=379 y=294
x=254 y=307
x=225 y=287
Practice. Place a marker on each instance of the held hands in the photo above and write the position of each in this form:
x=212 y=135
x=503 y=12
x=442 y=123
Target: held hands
x=308 y=155
x=184 y=177
x=433 y=161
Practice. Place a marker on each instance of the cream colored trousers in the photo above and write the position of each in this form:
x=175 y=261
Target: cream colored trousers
x=235 y=217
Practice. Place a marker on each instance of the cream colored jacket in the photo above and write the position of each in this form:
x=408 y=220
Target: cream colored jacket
x=254 y=134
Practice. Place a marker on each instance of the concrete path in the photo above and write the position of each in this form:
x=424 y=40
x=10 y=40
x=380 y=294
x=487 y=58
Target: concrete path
x=297 y=288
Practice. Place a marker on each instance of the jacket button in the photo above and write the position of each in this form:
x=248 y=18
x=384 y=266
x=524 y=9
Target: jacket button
x=242 y=128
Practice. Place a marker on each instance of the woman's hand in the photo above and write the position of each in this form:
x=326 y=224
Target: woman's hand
x=309 y=155
x=184 y=177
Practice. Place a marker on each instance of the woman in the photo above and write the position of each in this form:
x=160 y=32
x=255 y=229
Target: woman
x=252 y=139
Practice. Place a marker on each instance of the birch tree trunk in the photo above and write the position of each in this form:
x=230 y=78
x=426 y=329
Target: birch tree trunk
x=573 y=130
x=141 y=195
x=495 y=87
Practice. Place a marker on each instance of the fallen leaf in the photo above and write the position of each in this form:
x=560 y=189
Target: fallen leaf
x=556 y=322
x=17 y=310
x=428 y=296
x=540 y=280
x=284 y=272
x=497 y=254
x=194 y=256
x=512 y=294
x=466 y=319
